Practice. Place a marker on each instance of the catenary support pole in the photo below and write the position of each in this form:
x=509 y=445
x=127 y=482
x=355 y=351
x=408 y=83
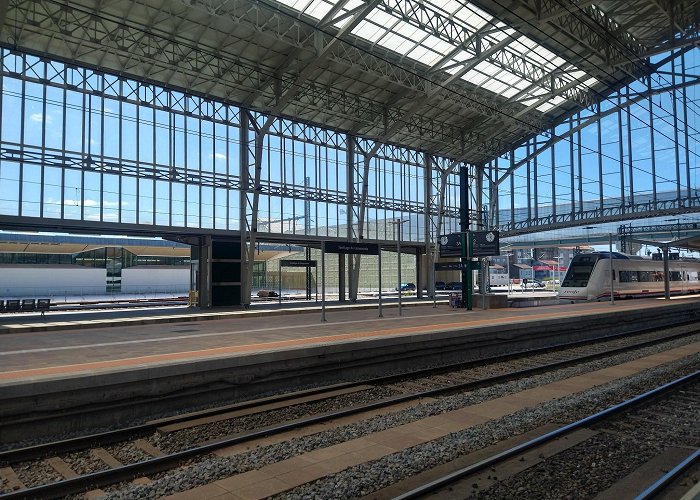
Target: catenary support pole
x=323 y=281
x=381 y=315
x=612 y=272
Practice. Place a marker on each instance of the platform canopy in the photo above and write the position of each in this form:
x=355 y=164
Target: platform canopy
x=459 y=79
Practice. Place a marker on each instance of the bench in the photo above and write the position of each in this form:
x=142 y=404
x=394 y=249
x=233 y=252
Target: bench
x=25 y=305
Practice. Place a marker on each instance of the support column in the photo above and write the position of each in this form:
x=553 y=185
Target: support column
x=484 y=282
x=419 y=274
x=246 y=276
x=341 y=277
x=464 y=227
x=667 y=284
x=356 y=259
x=349 y=211
x=204 y=281
x=430 y=275
x=255 y=189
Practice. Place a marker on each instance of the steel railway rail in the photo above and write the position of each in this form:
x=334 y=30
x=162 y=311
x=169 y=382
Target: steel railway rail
x=667 y=479
x=160 y=463
x=451 y=479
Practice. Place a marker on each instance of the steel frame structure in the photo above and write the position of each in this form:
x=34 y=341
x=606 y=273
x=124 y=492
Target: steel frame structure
x=212 y=95
x=49 y=183
x=632 y=156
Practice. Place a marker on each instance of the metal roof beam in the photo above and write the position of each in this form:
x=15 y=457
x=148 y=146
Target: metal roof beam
x=601 y=34
x=421 y=15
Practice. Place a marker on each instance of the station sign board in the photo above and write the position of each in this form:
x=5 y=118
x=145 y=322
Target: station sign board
x=484 y=243
x=457 y=266
x=297 y=263
x=451 y=245
x=352 y=248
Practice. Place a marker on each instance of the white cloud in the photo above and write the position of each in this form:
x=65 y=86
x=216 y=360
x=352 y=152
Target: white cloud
x=76 y=203
x=113 y=204
x=38 y=117
x=218 y=156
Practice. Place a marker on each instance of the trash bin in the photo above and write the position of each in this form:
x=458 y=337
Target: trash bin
x=455 y=300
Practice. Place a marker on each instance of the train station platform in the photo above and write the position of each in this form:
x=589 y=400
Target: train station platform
x=100 y=358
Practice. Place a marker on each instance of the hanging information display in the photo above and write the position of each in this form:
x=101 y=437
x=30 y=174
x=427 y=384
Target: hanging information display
x=352 y=248
x=484 y=243
x=451 y=245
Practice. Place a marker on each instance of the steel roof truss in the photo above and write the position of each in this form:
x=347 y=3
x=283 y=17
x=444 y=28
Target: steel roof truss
x=420 y=15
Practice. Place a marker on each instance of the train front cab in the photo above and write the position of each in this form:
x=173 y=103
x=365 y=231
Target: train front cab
x=575 y=286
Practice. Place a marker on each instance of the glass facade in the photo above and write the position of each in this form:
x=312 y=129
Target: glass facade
x=99 y=258
x=636 y=152
x=82 y=145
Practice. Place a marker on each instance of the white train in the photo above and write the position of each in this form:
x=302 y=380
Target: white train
x=588 y=277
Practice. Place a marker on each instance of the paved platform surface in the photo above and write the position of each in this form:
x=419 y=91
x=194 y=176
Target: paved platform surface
x=85 y=345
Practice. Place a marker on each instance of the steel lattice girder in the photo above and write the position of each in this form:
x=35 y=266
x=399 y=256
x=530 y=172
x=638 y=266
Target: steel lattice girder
x=151 y=52
x=254 y=52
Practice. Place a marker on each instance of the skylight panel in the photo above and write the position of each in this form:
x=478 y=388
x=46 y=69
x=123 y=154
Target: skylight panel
x=298 y=5
x=395 y=42
x=473 y=16
x=473 y=76
x=510 y=92
x=521 y=84
x=408 y=31
x=381 y=18
x=494 y=85
x=552 y=103
x=488 y=69
x=498 y=35
x=510 y=78
x=424 y=55
x=450 y=6
x=369 y=31
x=440 y=46
x=319 y=8
x=352 y=4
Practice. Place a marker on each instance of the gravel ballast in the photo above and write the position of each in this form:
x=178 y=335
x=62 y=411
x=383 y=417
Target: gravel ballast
x=368 y=477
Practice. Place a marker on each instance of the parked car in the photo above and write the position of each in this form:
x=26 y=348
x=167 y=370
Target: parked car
x=439 y=285
x=407 y=287
x=454 y=285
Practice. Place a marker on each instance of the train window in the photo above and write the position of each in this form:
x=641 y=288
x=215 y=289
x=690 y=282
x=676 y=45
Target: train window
x=675 y=276
x=628 y=276
x=645 y=276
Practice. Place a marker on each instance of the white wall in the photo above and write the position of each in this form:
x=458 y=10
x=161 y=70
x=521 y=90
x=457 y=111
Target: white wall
x=498 y=279
x=149 y=279
x=37 y=281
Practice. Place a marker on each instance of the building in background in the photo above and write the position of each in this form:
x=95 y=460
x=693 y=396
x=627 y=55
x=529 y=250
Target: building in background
x=42 y=264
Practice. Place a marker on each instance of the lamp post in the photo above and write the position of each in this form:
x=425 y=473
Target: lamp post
x=507 y=256
x=398 y=223
x=558 y=258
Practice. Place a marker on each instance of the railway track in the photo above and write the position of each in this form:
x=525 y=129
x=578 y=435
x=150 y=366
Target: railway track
x=646 y=423
x=73 y=466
